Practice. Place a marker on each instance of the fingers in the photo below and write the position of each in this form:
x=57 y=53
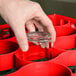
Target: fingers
x=40 y=28
x=21 y=36
x=45 y=21
x=42 y=45
x=47 y=45
x=38 y=25
x=30 y=26
x=53 y=34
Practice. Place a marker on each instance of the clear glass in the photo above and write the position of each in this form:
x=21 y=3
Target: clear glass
x=41 y=37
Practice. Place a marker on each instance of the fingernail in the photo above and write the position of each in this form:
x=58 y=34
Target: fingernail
x=47 y=46
x=25 y=48
x=36 y=43
x=52 y=44
x=42 y=46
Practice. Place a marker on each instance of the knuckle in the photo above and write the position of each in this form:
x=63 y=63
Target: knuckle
x=37 y=5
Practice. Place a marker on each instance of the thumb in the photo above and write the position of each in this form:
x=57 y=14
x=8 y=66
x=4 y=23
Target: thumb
x=21 y=37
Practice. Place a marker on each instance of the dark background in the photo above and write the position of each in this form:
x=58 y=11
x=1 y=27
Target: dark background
x=62 y=7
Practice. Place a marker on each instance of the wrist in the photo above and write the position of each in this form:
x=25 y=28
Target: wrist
x=0 y=2
x=5 y=4
x=0 y=6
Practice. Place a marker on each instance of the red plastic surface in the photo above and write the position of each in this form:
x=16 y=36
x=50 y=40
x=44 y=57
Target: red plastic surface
x=34 y=53
x=6 y=54
x=65 y=30
x=43 y=69
x=65 y=42
x=66 y=58
x=5 y=29
x=60 y=56
x=59 y=20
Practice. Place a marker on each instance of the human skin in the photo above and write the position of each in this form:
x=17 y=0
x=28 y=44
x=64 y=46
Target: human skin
x=18 y=13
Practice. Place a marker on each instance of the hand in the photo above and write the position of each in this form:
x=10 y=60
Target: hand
x=18 y=13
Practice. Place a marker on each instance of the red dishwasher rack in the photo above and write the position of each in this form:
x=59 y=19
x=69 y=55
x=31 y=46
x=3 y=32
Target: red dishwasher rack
x=25 y=62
